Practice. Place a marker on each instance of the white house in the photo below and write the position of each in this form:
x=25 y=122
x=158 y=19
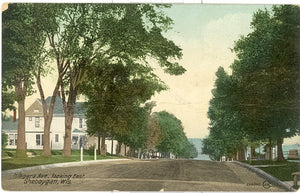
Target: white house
x=34 y=125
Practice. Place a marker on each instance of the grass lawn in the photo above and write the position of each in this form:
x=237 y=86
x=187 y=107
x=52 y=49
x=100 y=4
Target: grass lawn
x=282 y=170
x=10 y=162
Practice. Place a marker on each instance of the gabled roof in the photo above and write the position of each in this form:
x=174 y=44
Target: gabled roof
x=58 y=108
x=35 y=109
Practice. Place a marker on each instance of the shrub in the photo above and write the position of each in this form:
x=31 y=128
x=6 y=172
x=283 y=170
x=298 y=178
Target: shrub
x=4 y=140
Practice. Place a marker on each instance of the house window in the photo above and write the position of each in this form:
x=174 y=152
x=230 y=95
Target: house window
x=56 y=138
x=12 y=139
x=39 y=139
x=37 y=122
x=80 y=122
x=30 y=118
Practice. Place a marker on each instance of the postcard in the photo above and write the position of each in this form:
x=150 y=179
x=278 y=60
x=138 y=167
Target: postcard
x=108 y=96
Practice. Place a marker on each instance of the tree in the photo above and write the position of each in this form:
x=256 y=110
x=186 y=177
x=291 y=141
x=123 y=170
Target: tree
x=227 y=136
x=80 y=34
x=259 y=101
x=268 y=72
x=154 y=133
x=137 y=133
x=115 y=93
x=21 y=42
x=173 y=139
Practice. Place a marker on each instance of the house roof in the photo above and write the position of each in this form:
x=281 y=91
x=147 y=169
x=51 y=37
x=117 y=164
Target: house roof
x=58 y=108
x=9 y=125
x=35 y=109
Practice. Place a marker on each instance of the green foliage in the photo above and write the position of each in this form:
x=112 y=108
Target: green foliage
x=8 y=99
x=226 y=129
x=283 y=172
x=38 y=159
x=119 y=79
x=154 y=133
x=91 y=150
x=21 y=44
x=173 y=138
x=259 y=101
x=137 y=134
x=102 y=51
x=4 y=138
x=114 y=98
x=268 y=73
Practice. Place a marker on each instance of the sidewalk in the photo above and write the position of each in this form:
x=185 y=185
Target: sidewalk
x=57 y=165
x=264 y=166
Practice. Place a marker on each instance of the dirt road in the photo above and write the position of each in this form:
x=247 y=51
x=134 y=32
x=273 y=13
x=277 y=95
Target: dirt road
x=136 y=175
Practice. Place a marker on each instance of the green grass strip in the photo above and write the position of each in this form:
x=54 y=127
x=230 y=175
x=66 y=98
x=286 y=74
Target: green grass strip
x=9 y=161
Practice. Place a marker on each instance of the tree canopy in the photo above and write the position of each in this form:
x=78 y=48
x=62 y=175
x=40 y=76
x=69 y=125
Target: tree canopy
x=172 y=138
x=261 y=96
x=21 y=46
x=118 y=78
x=77 y=36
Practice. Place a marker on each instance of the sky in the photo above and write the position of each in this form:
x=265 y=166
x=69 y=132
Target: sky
x=205 y=33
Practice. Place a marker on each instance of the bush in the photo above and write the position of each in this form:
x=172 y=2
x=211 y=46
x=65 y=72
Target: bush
x=284 y=172
x=90 y=151
x=10 y=154
x=4 y=140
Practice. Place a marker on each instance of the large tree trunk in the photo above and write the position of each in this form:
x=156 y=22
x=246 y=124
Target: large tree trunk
x=241 y=155
x=21 y=140
x=68 y=132
x=69 y=114
x=103 y=149
x=47 y=112
x=119 y=148
x=279 y=150
x=21 y=90
x=69 y=108
x=46 y=146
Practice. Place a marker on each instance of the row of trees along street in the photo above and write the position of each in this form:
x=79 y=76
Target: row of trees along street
x=259 y=102
x=100 y=51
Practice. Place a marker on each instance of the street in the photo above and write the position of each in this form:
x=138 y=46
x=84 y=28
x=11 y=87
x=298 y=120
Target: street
x=141 y=175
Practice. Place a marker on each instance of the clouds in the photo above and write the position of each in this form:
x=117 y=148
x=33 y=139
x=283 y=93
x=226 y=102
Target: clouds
x=206 y=50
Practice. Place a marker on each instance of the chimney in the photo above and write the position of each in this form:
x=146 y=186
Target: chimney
x=58 y=93
x=15 y=115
